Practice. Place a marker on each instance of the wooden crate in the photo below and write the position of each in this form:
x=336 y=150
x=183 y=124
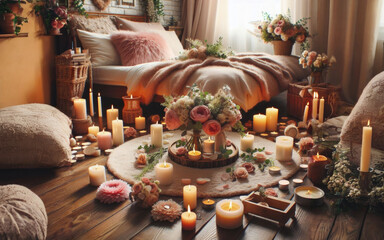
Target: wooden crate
x=296 y=103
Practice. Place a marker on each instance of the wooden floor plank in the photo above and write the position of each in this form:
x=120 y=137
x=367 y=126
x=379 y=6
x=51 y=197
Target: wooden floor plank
x=373 y=227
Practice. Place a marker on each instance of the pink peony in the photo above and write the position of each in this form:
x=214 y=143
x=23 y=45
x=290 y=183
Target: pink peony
x=278 y=30
x=137 y=187
x=181 y=151
x=200 y=113
x=172 y=120
x=212 y=127
x=271 y=192
x=130 y=132
x=241 y=173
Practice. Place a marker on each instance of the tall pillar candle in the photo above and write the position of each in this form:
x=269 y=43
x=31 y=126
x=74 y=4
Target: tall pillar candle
x=272 y=117
x=164 y=173
x=139 y=123
x=246 y=142
x=305 y=115
x=80 y=106
x=365 y=159
x=117 y=132
x=96 y=175
x=99 y=106
x=157 y=135
x=321 y=110
x=104 y=140
x=259 y=123
x=284 y=147
x=91 y=110
x=112 y=114
x=229 y=213
x=315 y=102
x=190 y=196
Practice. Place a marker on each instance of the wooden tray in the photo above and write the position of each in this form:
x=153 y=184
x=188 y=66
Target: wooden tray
x=203 y=163
x=279 y=210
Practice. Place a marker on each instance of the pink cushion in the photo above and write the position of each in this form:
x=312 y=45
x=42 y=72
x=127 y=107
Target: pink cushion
x=140 y=47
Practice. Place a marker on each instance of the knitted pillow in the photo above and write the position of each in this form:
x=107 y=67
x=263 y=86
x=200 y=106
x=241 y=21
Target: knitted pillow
x=22 y=214
x=97 y=25
x=34 y=136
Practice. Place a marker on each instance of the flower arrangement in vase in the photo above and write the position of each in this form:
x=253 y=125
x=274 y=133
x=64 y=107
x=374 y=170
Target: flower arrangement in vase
x=200 y=110
x=146 y=192
x=317 y=63
x=54 y=16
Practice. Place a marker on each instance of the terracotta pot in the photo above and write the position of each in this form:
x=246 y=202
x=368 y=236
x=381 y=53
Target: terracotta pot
x=282 y=47
x=6 y=23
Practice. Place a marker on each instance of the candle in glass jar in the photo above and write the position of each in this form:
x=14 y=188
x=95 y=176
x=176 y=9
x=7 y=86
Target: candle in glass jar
x=104 y=140
x=99 y=106
x=93 y=130
x=112 y=114
x=305 y=115
x=321 y=110
x=157 y=135
x=96 y=175
x=190 y=196
x=139 y=123
x=316 y=168
x=80 y=106
x=284 y=147
x=272 y=117
x=246 y=142
x=117 y=132
x=208 y=145
x=164 y=173
x=229 y=213
x=194 y=155
x=188 y=220
x=91 y=110
x=315 y=102
x=365 y=158
x=259 y=123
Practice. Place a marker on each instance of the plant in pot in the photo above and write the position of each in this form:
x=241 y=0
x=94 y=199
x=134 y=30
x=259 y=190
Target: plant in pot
x=54 y=16
x=10 y=16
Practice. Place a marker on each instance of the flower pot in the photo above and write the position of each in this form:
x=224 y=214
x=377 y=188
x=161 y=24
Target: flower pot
x=6 y=23
x=282 y=47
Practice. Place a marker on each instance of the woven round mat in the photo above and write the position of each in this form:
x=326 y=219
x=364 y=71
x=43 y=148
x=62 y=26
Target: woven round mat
x=121 y=163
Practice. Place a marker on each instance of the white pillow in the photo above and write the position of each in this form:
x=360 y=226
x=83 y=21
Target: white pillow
x=172 y=41
x=102 y=51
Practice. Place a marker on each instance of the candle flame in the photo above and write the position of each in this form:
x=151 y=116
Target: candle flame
x=369 y=121
x=98 y=94
x=189 y=209
x=318 y=155
x=117 y=118
x=307 y=103
x=131 y=96
x=90 y=90
x=230 y=206
x=189 y=187
x=208 y=200
x=165 y=163
x=209 y=138
x=309 y=192
x=315 y=95
x=193 y=149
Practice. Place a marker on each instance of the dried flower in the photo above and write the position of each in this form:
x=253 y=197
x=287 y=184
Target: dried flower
x=113 y=191
x=142 y=159
x=305 y=144
x=167 y=210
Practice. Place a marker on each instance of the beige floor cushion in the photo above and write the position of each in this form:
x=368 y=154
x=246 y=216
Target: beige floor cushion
x=22 y=214
x=34 y=136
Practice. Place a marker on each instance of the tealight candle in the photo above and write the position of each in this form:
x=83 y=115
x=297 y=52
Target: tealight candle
x=93 y=130
x=272 y=117
x=194 y=155
x=284 y=147
x=315 y=103
x=164 y=173
x=157 y=135
x=208 y=204
x=80 y=107
x=309 y=196
x=283 y=184
x=112 y=114
x=297 y=182
x=316 y=168
x=104 y=140
x=274 y=170
x=246 y=142
x=188 y=220
x=96 y=175
x=140 y=123
x=190 y=196
x=229 y=213
x=117 y=132
x=259 y=123
x=143 y=132
x=208 y=146
x=365 y=158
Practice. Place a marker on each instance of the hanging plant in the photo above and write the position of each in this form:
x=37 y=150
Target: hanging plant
x=153 y=9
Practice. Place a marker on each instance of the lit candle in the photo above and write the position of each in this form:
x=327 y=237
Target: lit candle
x=134 y=103
x=246 y=142
x=96 y=175
x=315 y=102
x=188 y=220
x=366 y=148
x=305 y=116
x=78 y=50
x=157 y=135
x=164 y=173
x=190 y=196
x=80 y=106
x=99 y=106
x=194 y=155
x=272 y=117
x=229 y=213
x=316 y=168
x=117 y=132
x=208 y=146
x=112 y=114
x=91 y=110
x=284 y=147
x=321 y=110
x=208 y=204
x=259 y=123
x=93 y=130
x=140 y=123
x=104 y=140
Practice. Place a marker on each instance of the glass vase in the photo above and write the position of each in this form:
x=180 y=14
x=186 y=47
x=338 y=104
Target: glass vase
x=220 y=141
x=195 y=141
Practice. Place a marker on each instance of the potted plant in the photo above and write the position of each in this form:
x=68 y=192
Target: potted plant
x=10 y=16
x=54 y=16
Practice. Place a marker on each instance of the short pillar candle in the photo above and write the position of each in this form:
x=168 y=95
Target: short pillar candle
x=284 y=147
x=117 y=132
x=229 y=213
x=96 y=175
x=140 y=123
x=164 y=173
x=272 y=117
x=104 y=140
x=157 y=135
x=112 y=114
x=80 y=106
x=246 y=142
x=259 y=123
x=93 y=130
x=188 y=220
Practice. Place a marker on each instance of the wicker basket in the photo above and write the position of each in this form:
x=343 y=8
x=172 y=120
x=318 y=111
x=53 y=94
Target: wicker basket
x=70 y=80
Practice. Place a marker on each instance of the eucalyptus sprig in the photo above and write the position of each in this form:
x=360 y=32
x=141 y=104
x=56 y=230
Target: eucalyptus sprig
x=153 y=159
x=266 y=163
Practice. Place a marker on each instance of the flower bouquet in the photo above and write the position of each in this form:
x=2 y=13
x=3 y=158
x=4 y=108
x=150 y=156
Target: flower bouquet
x=317 y=63
x=54 y=16
x=146 y=192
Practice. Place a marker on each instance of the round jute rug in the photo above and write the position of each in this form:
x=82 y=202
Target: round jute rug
x=121 y=163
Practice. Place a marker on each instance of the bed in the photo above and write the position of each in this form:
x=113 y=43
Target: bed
x=251 y=77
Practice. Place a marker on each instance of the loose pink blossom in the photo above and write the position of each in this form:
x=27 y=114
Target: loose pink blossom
x=212 y=127
x=181 y=151
x=137 y=187
x=271 y=192
x=200 y=113
x=146 y=180
x=172 y=120
x=280 y=23
x=249 y=166
x=241 y=173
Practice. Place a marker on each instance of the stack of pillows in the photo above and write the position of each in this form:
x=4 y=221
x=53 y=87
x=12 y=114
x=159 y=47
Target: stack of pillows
x=128 y=44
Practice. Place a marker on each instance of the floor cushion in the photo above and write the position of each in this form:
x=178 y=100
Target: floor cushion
x=34 y=136
x=22 y=214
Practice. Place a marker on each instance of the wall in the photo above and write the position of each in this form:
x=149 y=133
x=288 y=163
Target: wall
x=27 y=65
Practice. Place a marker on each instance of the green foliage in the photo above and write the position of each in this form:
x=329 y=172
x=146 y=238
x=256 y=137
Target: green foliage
x=224 y=152
x=153 y=159
x=78 y=5
x=147 y=148
x=248 y=157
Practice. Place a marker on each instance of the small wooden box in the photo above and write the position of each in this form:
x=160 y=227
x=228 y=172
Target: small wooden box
x=279 y=210
x=296 y=103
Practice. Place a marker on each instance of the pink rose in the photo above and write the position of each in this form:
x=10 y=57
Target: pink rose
x=280 y=23
x=249 y=166
x=241 y=173
x=212 y=127
x=271 y=192
x=146 y=180
x=200 y=113
x=54 y=23
x=181 y=151
x=260 y=157
x=137 y=187
x=130 y=132
x=154 y=187
x=172 y=120
x=278 y=30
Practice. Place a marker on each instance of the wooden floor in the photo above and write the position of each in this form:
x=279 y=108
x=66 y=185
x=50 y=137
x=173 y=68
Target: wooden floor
x=73 y=213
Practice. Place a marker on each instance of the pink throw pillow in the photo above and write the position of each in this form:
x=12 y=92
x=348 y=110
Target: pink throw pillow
x=140 y=47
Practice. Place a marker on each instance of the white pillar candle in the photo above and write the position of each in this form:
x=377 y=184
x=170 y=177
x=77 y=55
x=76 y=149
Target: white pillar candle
x=112 y=114
x=365 y=159
x=229 y=213
x=321 y=110
x=190 y=196
x=208 y=146
x=246 y=142
x=91 y=110
x=139 y=123
x=80 y=106
x=104 y=140
x=157 y=135
x=99 y=106
x=117 y=132
x=93 y=130
x=284 y=147
x=259 y=123
x=315 y=102
x=272 y=117
x=96 y=175
x=305 y=115
x=164 y=173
